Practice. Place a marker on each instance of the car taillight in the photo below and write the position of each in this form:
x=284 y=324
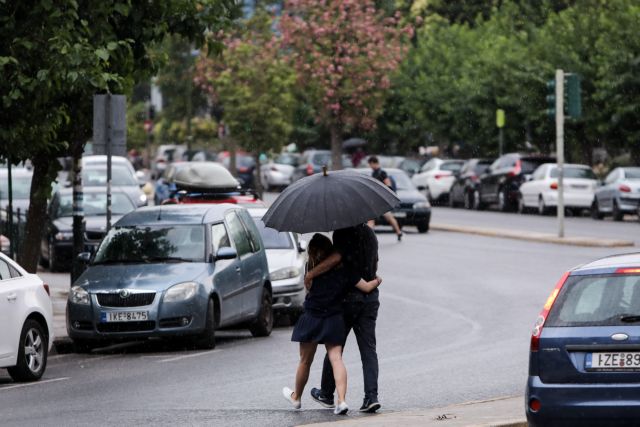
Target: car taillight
x=243 y=169
x=537 y=328
x=554 y=186
x=625 y=188
x=516 y=169
x=160 y=161
x=441 y=175
x=46 y=288
x=632 y=270
x=309 y=169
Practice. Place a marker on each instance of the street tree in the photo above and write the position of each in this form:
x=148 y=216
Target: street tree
x=344 y=52
x=253 y=81
x=54 y=57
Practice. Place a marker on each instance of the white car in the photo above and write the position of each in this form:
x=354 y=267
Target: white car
x=279 y=172
x=436 y=177
x=26 y=322
x=123 y=176
x=541 y=191
x=286 y=256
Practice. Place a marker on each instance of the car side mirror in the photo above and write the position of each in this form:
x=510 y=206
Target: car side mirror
x=302 y=246
x=84 y=257
x=226 y=253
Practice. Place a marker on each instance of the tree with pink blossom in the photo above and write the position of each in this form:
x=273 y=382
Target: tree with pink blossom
x=344 y=52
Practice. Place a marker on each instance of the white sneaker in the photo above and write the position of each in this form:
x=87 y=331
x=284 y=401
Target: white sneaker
x=287 y=393
x=341 y=408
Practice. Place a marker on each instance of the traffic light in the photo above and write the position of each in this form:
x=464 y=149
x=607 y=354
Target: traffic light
x=573 y=102
x=551 y=98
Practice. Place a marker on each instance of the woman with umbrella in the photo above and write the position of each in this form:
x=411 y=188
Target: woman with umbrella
x=322 y=322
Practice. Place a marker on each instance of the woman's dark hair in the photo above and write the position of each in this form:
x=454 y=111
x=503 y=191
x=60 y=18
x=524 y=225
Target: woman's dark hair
x=319 y=248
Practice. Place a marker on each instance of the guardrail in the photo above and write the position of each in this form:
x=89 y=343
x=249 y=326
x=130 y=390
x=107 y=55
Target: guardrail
x=12 y=232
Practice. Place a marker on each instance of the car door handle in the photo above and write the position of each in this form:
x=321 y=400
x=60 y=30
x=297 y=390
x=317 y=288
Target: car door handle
x=237 y=269
x=12 y=297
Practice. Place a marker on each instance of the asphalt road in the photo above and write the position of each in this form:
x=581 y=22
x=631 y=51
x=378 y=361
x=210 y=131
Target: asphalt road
x=454 y=326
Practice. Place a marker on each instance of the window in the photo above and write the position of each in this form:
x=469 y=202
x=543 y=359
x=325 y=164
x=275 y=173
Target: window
x=431 y=164
x=254 y=235
x=14 y=271
x=451 y=166
x=5 y=273
x=238 y=234
x=219 y=237
x=273 y=239
x=612 y=177
x=539 y=173
x=632 y=173
x=573 y=172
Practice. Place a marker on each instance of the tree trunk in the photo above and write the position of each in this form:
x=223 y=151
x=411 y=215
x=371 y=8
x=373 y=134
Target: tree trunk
x=45 y=169
x=336 y=146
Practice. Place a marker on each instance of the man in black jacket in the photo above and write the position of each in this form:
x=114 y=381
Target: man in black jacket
x=357 y=248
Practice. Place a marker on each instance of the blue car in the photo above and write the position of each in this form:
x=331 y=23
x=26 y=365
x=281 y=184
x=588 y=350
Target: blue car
x=584 y=363
x=173 y=271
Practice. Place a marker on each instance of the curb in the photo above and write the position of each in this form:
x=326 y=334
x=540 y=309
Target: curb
x=534 y=236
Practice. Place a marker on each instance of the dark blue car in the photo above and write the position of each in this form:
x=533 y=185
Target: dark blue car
x=584 y=364
x=173 y=271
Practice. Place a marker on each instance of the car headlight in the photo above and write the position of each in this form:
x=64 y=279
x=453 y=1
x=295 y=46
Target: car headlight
x=421 y=205
x=64 y=235
x=143 y=198
x=79 y=295
x=285 y=273
x=181 y=292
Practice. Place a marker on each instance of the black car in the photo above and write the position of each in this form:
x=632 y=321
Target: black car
x=499 y=186
x=414 y=208
x=466 y=182
x=57 y=241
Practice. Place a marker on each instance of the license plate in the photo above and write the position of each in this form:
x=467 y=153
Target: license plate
x=613 y=360
x=124 y=316
x=400 y=214
x=579 y=187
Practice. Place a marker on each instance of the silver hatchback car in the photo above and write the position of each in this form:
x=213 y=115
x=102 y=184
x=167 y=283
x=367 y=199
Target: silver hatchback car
x=619 y=195
x=173 y=271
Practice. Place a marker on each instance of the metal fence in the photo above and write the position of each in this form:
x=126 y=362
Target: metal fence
x=12 y=232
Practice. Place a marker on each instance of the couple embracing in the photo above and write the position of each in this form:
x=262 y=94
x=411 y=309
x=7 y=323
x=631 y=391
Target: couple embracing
x=342 y=295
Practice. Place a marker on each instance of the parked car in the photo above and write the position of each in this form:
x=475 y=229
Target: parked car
x=465 y=184
x=245 y=168
x=57 y=238
x=436 y=177
x=500 y=185
x=286 y=256
x=165 y=155
x=26 y=322
x=411 y=166
x=198 y=156
x=21 y=189
x=541 y=191
x=173 y=271
x=619 y=195
x=123 y=176
x=279 y=172
x=414 y=209
x=584 y=358
x=312 y=162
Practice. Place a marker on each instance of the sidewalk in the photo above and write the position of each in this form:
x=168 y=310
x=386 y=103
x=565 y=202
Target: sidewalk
x=504 y=411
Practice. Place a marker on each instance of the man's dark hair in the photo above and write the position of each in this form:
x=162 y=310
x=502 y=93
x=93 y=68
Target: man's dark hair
x=373 y=159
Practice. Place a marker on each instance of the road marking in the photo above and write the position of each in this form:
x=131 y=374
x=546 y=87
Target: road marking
x=33 y=383
x=187 y=356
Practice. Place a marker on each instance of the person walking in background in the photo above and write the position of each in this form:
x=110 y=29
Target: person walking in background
x=322 y=322
x=379 y=174
x=357 y=249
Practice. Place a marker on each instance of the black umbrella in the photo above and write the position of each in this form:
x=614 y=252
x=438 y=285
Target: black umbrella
x=329 y=201
x=352 y=143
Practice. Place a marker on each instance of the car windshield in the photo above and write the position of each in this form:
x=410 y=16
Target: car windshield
x=402 y=181
x=20 y=187
x=451 y=166
x=321 y=159
x=573 y=172
x=273 y=239
x=632 y=173
x=95 y=204
x=286 y=159
x=481 y=167
x=599 y=300
x=97 y=177
x=143 y=243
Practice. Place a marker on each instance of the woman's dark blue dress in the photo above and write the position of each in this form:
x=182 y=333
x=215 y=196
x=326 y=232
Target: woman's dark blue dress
x=322 y=321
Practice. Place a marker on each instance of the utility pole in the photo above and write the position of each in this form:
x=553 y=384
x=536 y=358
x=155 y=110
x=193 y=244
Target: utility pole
x=560 y=147
x=12 y=235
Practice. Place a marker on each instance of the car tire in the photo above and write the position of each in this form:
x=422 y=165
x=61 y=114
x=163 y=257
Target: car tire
x=595 y=211
x=31 y=366
x=618 y=215
x=207 y=339
x=263 y=324
x=423 y=227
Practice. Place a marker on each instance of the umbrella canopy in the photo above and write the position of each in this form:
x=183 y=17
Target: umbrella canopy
x=329 y=201
x=353 y=143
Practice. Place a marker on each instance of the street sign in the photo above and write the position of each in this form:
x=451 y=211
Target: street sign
x=500 y=118
x=110 y=124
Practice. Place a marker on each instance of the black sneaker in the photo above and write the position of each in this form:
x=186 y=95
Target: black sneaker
x=370 y=405
x=400 y=237
x=327 y=402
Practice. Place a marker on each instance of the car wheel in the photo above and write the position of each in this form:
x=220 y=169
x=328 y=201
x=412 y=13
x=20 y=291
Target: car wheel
x=595 y=211
x=423 y=227
x=207 y=339
x=262 y=326
x=542 y=207
x=618 y=215
x=32 y=354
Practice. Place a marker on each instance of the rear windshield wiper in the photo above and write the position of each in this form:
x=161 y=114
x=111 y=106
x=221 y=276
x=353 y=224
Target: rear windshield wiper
x=630 y=318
